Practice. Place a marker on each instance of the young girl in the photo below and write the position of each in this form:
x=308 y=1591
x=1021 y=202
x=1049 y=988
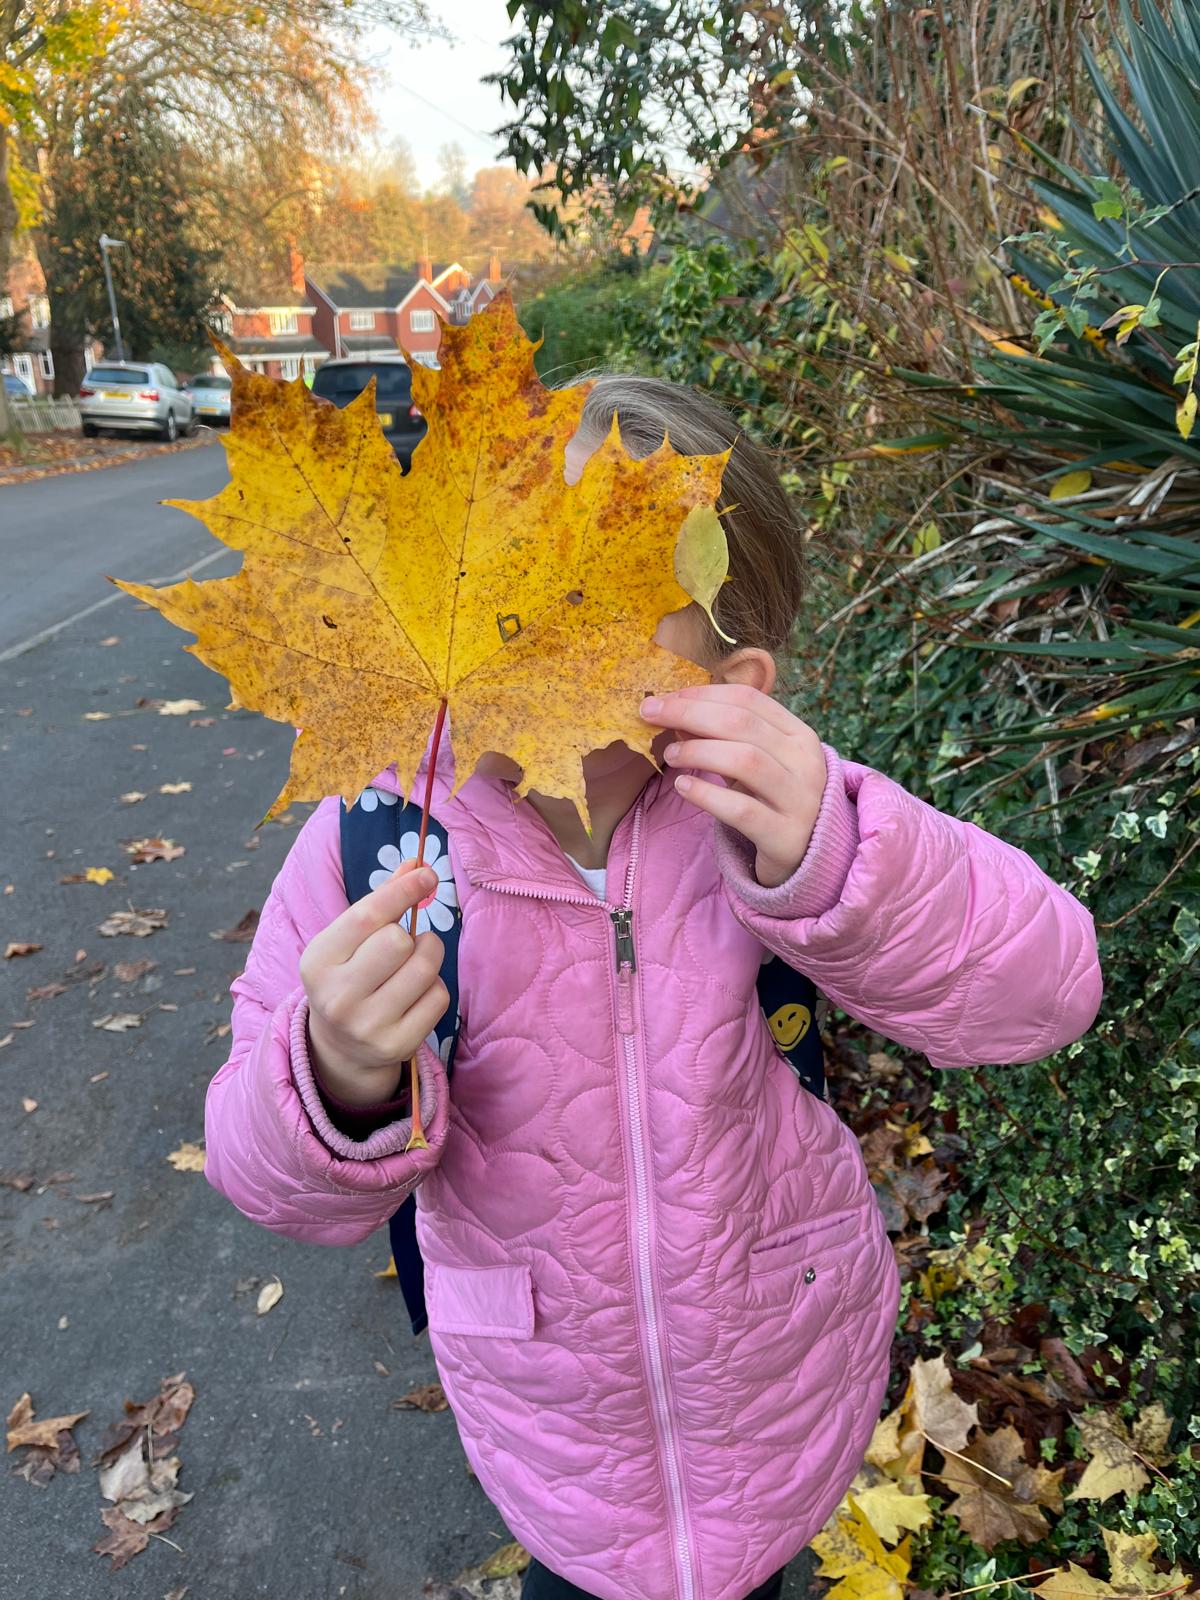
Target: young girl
x=660 y=1293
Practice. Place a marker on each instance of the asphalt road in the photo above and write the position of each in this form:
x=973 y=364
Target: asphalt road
x=61 y=536
x=308 y=1484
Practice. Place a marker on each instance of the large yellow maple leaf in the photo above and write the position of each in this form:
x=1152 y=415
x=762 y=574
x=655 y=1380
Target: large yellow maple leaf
x=480 y=580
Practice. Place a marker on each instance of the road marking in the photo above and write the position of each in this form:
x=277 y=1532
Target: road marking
x=98 y=605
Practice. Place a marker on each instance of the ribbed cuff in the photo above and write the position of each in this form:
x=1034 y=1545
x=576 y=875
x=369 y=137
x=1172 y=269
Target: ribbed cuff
x=816 y=885
x=359 y=1122
x=382 y=1141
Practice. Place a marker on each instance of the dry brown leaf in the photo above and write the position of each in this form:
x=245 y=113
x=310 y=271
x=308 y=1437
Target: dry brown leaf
x=138 y=923
x=45 y=991
x=44 y=1432
x=143 y=850
x=427 y=1397
x=937 y=1411
x=131 y=971
x=188 y=1158
x=132 y=796
x=999 y=1493
x=141 y=1486
x=179 y=708
x=163 y=1415
x=242 y=932
x=20 y=1181
x=910 y=1194
x=97 y=716
x=481 y=580
x=118 y=1021
x=20 y=947
x=126 y=1538
x=174 y=788
x=28 y=1103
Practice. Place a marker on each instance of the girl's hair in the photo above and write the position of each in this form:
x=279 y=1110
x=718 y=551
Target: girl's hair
x=767 y=565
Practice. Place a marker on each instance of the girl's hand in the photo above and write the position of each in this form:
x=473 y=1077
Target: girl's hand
x=771 y=761
x=373 y=994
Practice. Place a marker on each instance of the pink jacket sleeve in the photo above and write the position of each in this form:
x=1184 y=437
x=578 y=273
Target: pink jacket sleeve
x=271 y=1147
x=929 y=930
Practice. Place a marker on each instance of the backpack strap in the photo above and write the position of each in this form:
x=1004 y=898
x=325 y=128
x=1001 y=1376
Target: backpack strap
x=378 y=832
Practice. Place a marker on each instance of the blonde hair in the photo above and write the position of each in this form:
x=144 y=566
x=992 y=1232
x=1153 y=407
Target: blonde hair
x=767 y=566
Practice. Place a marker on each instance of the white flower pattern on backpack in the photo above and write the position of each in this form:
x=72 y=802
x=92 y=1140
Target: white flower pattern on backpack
x=437 y=912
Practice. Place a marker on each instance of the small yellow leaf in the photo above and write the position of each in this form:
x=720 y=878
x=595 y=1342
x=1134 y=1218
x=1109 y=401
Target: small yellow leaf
x=188 y=1158
x=1113 y=1467
x=505 y=1562
x=1074 y=1584
x=927 y=537
x=389 y=1271
x=852 y=1552
x=269 y=1295
x=1071 y=483
x=889 y=1509
x=98 y=875
x=1185 y=414
x=702 y=560
x=1017 y=89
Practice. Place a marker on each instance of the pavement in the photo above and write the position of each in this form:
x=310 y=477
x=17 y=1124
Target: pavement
x=308 y=1483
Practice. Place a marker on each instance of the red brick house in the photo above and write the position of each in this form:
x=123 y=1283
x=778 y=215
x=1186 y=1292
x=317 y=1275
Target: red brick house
x=24 y=297
x=269 y=325
x=386 y=308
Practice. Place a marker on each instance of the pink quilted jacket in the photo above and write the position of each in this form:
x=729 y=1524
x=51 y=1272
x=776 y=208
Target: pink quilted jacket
x=661 y=1296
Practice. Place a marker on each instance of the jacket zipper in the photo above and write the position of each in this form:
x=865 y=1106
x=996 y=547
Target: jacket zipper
x=626 y=963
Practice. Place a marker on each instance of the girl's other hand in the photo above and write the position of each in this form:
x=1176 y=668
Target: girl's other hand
x=772 y=763
x=373 y=994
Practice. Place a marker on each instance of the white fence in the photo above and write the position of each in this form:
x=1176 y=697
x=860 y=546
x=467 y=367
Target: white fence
x=44 y=415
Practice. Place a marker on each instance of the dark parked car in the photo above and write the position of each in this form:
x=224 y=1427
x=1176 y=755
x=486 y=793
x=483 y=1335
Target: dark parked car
x=342 y=380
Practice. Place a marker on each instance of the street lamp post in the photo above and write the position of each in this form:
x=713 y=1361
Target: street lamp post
x=107 y=244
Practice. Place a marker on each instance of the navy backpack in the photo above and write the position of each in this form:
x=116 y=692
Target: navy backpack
x=378 y=832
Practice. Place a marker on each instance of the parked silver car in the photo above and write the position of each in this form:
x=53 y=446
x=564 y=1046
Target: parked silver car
x=135 y=396
x=212 y=393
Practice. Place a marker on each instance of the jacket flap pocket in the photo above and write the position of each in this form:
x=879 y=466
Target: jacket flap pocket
x=801 y=1241
x=488 y=1302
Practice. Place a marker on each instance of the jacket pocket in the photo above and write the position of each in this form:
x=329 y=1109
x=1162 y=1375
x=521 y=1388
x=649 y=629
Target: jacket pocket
x=806 y=1244
x=486 y=1302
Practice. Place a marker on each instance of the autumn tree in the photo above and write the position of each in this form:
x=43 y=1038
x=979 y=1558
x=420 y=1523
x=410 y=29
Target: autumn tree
x=500 y=218
x=452 y=173
x=125 y=179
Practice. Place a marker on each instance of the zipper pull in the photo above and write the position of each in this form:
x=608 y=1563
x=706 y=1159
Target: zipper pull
x=623 y=928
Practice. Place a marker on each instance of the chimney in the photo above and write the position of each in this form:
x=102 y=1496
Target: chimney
x=425 y=269
x=296 y=271
x=493 y=269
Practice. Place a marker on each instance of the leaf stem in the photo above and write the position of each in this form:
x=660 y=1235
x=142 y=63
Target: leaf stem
x=417 y=1140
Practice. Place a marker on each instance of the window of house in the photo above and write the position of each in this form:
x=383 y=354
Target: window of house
x=284 y=322
x=6 y=305
x=362 y=321
x=310 y=364
x=24 y=366
x=223 y=322
x=39 y=311
x=421 y=321
x=289 y=367
x=46 y=362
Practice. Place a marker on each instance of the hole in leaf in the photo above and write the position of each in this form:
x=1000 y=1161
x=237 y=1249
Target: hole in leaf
x=575 y=598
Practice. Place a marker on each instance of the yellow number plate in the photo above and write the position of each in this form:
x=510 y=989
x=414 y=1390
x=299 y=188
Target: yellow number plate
x=385 y=419
x=115 y=394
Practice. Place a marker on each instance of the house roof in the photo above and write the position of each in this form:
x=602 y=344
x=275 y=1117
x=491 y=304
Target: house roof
x=377 y=287
x=276 y=293
x=284 y=344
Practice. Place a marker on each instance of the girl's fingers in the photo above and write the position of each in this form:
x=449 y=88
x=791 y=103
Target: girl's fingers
x=735 y=697
x=737 y=720
x=756 y=821
x=379 y=958
x=406 y=888
x=754 y=768
x=420 y=1019
x=402 y=988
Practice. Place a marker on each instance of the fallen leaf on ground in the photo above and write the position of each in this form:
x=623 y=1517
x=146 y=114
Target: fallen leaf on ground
x=1131 y=1575
x=242 y=932
x=942 y=1417
x=851 y=1551
x=131 y=971
x=138 y=923
x=7 y=1039
x=910 y=1194
x=98 y=1198
x=132 y=796
x=113 y=638
x=179 y=708
x=505 y=1562
x=96 y=716
x=177 y=1594
x=163 y=1415
x=1114 y=1449
x=427 y=1397
x=188 y=1158
x=45 y=991
x=98 y=1077
x=118 y=1021
x=481 y=580
x=389 y=1271
x=174 y=788
x=20 y=947
x=99 y=874
x=142 y=850
x=126 y=1538
x=29 y=1103
x=999 y=1493
x=140 y=1486
x=887 y=1507
x=269 y=1295
x=43 y=1432
x=20 y=1181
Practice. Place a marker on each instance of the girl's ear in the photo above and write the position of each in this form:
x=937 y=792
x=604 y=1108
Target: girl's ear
x=754 y=668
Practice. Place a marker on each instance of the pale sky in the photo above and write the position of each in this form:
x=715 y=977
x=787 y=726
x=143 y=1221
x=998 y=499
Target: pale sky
x=431 y=95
